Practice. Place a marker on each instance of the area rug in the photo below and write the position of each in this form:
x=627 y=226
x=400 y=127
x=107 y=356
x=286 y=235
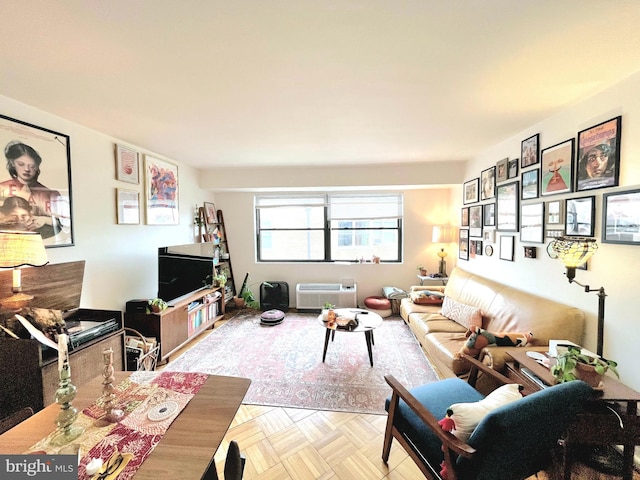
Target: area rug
x=284 y=362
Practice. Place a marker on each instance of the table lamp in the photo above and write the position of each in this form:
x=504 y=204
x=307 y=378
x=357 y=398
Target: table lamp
x=574 y=252
x=443 y=234
x=17 y=249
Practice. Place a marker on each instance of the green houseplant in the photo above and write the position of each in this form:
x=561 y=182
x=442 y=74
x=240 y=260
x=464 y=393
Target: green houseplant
x=421 y=270
x=573 y=364
x=156 y=305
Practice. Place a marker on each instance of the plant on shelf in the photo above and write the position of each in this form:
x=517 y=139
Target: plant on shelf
x=156 y=305
x=220 y=280
x=421 y=270
x=573 y=365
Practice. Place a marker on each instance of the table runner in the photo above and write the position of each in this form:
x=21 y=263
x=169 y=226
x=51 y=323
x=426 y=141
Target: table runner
x=135 y=433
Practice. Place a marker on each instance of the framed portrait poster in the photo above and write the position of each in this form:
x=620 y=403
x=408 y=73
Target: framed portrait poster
x=621 y=217
x=507 y=206
x=470 y=191
x=127 y=207
x=530 y=151
x=580 y=218
x=35 y=187
x=512 y=171
x=161 y=190
x=598 y=164
x=475 y=221
x=489 y=214
x=506 y=247
x=210 y=214
x=557 y=168
x=463 y=244
x=127 y=169
x=464 y=217
x=502 y=170
x=488 y=182
x=532 y=223
x=530 y=181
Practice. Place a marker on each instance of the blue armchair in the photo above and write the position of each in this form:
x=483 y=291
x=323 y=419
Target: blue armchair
x=512 y=442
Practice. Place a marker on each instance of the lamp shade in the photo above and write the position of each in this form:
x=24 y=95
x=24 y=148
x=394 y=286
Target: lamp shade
x=443 y=234
x=575 y=251
x=21 y=248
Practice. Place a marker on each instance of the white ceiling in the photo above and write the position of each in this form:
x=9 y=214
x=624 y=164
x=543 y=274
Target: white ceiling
x=313 y=82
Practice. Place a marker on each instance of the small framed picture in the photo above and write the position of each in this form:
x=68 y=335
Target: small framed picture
x=488 y=182
x=555 y=213
x=463 y=244
x=489 y=235
x=580 y=218
x=464 y=217
x=489 y=214
x=557 y=171
x=210 y=215
x=127 y=165
x=507 y=199
x=502 y=170
x=127 y=207
x=478 y=245
x=512 y=171
x=530 y=151
x=598 y=163
x=470 y=189
x=621 y=217
x=530 y=252
x=475 y=221
x=532 y=223
x=555 y=233
x=530 y=182
x=506 y=247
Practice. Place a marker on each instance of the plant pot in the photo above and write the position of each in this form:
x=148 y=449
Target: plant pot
x=588 y=374
x=423 y=272
x=239 y=302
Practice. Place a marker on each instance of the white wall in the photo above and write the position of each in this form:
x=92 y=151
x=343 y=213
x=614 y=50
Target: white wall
x=121 y=260
x=614 y=267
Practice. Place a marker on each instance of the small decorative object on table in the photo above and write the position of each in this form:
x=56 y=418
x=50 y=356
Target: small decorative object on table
x=65 y=394
x=112 y=415
x=421 y=270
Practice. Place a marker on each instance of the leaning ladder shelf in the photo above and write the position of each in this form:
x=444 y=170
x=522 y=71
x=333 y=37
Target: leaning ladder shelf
x=224 y=263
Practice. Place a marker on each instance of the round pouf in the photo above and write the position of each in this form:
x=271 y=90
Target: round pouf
x=272 y=317
x=380 y=305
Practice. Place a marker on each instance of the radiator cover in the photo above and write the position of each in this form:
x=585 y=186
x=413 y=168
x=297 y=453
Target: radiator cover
x=313 y=296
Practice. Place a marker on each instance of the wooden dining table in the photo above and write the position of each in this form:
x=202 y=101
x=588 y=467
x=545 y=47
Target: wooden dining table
x=187 y=447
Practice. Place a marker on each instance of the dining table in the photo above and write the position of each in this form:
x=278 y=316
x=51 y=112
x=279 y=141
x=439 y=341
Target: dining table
x=187 y=447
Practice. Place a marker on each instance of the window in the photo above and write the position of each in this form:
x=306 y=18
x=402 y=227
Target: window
x=329 y=227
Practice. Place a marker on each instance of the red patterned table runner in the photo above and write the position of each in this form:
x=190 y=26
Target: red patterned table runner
x=142 y=396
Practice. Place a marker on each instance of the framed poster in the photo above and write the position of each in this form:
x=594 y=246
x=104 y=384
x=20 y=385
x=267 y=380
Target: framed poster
x=161 y=190
x=557 y=171
x=530 y=151
x=210 y=214
x=463 y=244
x=489 y=214
x=488 y=182
x=464 y=217
x=507 y=206
x=532 y=223
x=127 y=169
x=501 y=170
x=621 y=217
x=580 y=218
x=127 y=207
x=530 y=184
x=506 y=247
x=512 y=171
x=598 y=163
x=35 y=188
x=475 y=221
x=470 y=191
x=555 y=213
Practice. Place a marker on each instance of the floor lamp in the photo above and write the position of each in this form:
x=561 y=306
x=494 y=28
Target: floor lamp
x=443 y=234
x=17 y=249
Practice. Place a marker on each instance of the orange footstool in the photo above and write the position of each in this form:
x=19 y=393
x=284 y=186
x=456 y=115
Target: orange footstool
x=379 y=305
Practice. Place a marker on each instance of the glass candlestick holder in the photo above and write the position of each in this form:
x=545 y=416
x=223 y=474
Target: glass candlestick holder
x=65 y=394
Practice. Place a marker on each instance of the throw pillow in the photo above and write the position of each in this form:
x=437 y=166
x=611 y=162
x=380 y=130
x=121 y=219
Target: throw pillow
x=465 y=315
x=427 y=297
x=466 y=416
x=479 y=338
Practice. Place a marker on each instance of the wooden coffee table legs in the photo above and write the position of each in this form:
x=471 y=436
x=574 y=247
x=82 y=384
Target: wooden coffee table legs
x=368 y=335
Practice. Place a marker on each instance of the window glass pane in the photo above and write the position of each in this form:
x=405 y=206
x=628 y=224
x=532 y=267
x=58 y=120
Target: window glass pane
x=382 y=243
x=293 y=245
x=292 y=217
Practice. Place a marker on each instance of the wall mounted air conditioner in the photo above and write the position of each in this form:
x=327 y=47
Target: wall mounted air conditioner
x=313 y=296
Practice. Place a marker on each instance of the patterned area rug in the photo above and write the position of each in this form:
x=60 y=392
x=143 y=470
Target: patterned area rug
x=284 y=362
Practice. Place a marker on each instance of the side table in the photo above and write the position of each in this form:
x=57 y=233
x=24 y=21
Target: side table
x=429 y=280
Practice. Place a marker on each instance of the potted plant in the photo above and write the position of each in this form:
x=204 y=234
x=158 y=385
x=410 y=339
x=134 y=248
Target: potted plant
x=220 y=280
x=156 y=305
x=421 y=270
x=573 y=365
x=325 y=310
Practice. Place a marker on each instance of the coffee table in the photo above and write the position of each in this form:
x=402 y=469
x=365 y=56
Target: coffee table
x=368 y=321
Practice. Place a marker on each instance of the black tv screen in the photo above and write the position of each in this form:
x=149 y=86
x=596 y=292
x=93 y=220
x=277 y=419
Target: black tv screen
x=179 y=275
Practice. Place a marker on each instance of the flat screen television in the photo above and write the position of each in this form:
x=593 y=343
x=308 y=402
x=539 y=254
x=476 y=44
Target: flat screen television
x=180 y=273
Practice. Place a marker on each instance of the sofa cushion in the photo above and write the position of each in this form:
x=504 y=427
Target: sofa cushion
x=427 y=297
x=465 y=315
x=467 y=416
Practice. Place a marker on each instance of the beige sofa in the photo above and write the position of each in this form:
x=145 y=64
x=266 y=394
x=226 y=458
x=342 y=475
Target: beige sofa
x=504 y=309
